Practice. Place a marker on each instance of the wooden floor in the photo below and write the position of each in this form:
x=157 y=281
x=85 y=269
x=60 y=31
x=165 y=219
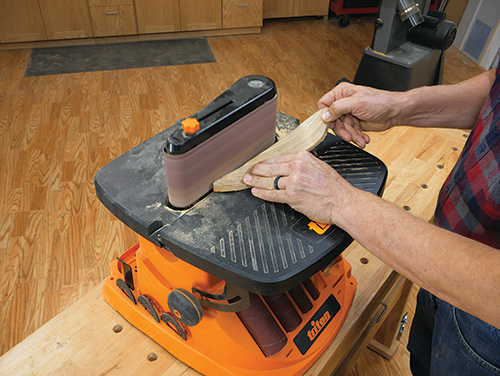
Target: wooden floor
x=56 y=239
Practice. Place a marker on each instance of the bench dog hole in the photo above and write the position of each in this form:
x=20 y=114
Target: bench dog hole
x=152 y=356
x=117 y=328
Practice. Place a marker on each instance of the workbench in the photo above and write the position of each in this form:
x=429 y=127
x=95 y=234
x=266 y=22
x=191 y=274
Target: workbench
x=90 y=338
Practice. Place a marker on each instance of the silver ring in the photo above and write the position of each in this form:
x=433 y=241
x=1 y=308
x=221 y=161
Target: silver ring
x=276 y=180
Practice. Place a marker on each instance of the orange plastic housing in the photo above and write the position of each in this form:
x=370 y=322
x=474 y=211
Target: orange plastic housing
x=220 y=344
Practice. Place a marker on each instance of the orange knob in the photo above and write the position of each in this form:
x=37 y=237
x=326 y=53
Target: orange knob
x=190 y=125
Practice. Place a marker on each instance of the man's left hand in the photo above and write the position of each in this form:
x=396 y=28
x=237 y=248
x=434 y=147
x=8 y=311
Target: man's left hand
x=306 y=183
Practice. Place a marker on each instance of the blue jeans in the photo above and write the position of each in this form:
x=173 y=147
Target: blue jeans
x=445 y=341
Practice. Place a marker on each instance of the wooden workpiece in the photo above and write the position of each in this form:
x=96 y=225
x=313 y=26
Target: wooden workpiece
x=305 y=137
x=90 y=338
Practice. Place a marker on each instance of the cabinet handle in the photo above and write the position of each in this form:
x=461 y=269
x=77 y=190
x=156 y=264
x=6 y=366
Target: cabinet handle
x=243 y=5
x=111 y=13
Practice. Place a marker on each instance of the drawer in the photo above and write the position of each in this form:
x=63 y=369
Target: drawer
x=103 y=3
x=113 y=20
x=242 y=13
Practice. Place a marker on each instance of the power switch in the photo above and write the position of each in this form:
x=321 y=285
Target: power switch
x=318 y=228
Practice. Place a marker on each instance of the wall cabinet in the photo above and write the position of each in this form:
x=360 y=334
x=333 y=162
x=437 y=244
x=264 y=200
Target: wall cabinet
x=20 y=21
x=157 y=16
x=295 y=8
x=66 y=19
x=241 y=13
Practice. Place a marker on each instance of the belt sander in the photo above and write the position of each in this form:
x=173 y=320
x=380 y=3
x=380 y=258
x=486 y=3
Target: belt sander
x=227 y=283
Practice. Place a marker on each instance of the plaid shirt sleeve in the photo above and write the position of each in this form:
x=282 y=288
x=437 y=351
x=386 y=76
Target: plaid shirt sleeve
x=469 y=201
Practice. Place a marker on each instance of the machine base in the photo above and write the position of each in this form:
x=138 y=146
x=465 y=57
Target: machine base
x=220 y=343
x=404 y=68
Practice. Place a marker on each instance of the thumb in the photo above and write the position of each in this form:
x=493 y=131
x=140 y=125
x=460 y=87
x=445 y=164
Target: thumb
x=338 y=109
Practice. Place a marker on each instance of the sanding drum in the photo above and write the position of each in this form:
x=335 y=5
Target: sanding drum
x=261 y=325
x=236 y=126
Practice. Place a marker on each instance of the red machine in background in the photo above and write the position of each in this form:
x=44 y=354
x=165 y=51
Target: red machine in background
x=343 y=8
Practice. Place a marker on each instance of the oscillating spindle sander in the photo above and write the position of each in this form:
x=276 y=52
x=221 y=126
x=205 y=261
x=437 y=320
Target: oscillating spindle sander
x=227 y=283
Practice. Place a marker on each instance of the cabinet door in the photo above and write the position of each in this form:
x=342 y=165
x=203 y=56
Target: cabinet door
x=66 y=18
x=311 y=7
x=241 y=13
x=278 y=8
x=201 y=14
x=20 y=21
x=157 y=16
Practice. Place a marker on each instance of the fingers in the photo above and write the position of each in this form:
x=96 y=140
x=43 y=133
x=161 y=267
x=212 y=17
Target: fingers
x=349 y=129
x=343 y=89
x=340 y=129
x=267 y=183
x=330 y=100
x=341 y=107
x=264 y=187
x=357 y=134
x=270 y=168
x=263 y=175
x=270 y=195
x=326 y=100
x=280 y=165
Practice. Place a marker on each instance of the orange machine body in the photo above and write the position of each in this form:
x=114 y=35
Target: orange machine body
x=220 y=343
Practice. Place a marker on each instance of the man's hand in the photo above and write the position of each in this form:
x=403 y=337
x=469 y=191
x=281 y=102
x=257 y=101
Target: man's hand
x=353 y=110
x=307 y=184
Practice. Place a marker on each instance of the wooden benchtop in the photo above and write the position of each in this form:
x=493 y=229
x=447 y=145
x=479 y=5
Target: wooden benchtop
x=81 y=340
